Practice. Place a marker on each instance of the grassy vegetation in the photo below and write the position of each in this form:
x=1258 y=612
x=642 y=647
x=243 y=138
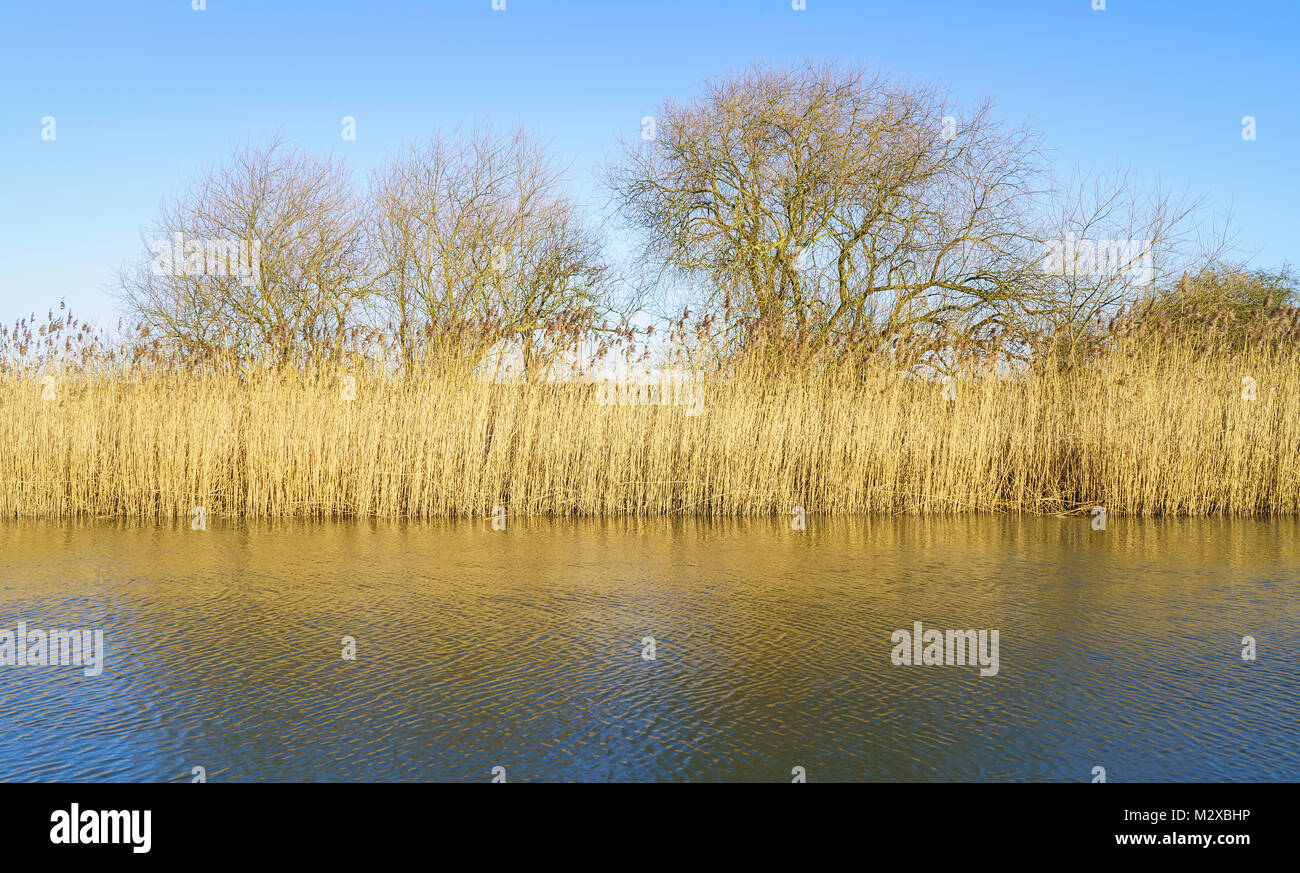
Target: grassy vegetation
x=1148 y=423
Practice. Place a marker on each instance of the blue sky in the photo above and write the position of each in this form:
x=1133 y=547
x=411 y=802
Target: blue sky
x=145 y=94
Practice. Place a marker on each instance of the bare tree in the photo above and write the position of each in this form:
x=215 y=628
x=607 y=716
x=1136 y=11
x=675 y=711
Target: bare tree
x=824 y=202
x=263 y=255
x=1106 y=242
x=474 y=231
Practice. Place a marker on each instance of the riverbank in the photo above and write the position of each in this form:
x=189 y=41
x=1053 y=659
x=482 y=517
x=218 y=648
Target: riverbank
x=1148 y=431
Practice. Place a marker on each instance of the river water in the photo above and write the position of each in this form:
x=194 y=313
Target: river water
x=527 y=650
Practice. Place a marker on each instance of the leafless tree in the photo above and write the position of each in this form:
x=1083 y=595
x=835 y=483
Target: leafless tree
x=824 y=202
x=263 y=255
x=1107 y=242
x=473 y=231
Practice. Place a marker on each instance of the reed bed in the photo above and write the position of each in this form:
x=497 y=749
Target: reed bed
x=1143 y=429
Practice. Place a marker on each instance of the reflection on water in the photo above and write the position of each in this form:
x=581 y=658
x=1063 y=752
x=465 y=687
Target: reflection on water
x=523 y=649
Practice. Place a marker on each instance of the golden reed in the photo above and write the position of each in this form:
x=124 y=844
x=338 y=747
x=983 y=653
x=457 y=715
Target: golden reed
x=1146 y=429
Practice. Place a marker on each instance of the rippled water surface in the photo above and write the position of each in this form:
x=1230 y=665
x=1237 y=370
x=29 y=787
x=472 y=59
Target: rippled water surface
x=523 y=649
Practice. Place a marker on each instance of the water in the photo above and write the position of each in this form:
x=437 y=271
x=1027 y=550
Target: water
x=523 y=649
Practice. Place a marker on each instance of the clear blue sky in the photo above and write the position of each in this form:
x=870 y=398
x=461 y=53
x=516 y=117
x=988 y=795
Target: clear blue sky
x=145 y=94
